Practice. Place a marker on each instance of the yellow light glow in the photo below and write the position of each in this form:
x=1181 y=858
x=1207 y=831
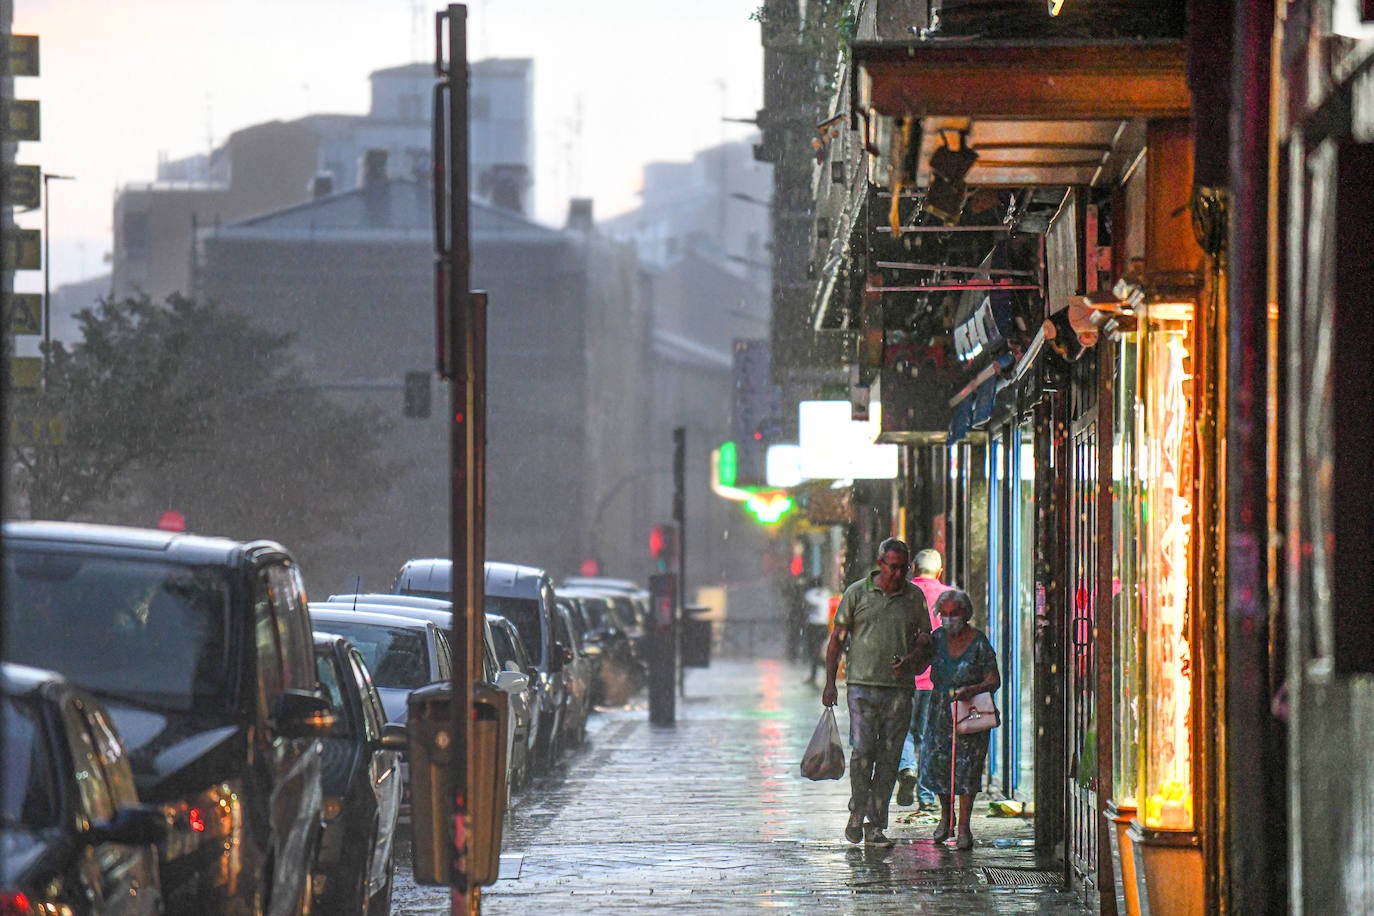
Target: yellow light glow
x=1166 y=462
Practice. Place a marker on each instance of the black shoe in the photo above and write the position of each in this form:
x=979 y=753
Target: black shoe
x=906 y=786
x=854 y=830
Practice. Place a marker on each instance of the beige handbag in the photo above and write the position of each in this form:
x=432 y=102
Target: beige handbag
x=977 y=715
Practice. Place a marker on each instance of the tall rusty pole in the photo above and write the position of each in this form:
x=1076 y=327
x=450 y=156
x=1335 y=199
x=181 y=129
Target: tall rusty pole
x=460 y=347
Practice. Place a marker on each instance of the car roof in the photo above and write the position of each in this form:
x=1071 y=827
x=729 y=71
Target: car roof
x=172 y=545
x=385 y=598
x=344 y=615
x=506 y=580
x=513 y=580
x=602 y=582
x=424 y=574
x=588 y=592
x=437 y=616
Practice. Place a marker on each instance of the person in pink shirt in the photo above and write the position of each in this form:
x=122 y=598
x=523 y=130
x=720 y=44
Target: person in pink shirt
x=929 y=567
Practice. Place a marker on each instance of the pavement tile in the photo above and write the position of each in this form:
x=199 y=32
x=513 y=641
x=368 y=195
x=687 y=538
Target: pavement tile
x=710 y=815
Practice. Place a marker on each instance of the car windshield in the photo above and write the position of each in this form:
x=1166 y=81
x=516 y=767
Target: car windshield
x=398 y=657
x=508 y=649
x=149 y=632
x=600 y=614
x=330 y=682
x=28 y=795
x=524 y=613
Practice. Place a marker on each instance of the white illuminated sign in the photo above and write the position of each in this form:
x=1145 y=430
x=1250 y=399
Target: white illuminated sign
x=784 y=465
x=834 y=447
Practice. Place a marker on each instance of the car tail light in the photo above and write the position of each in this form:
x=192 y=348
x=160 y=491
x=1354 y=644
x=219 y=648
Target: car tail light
x=15 y=903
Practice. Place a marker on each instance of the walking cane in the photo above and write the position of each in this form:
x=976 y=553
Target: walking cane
x=953 y=752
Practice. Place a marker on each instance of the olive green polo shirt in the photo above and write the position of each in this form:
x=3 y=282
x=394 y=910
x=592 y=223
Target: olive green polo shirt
x=879 y=625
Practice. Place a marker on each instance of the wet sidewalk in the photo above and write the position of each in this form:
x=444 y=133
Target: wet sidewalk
x=710 y=815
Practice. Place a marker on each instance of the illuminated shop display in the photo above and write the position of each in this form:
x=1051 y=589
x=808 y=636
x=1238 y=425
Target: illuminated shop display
x=1165 y=450
x=1127 y=586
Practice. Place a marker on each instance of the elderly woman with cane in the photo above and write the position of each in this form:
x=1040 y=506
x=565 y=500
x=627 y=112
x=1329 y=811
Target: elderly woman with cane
x=964 y=665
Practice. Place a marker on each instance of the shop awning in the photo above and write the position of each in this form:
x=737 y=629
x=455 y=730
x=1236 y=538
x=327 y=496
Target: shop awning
x=1037 y=114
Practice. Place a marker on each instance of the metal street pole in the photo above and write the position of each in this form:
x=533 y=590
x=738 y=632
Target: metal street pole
x=47 y=259
x=464 y=334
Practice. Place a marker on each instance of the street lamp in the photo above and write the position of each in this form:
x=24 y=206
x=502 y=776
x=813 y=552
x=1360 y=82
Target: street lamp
x=47 y=258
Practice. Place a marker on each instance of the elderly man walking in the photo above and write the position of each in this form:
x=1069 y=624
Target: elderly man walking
x=883 y=626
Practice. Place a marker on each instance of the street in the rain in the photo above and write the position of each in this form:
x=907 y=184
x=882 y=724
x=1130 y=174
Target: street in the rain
x=710 y=815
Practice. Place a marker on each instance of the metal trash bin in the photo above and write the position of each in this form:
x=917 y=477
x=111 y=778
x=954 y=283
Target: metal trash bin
x=695 y=644
x=431 y=783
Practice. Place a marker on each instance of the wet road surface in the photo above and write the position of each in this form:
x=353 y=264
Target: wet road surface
x=710 y=815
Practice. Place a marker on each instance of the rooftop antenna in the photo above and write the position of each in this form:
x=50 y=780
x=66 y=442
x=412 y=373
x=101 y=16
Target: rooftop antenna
x=573 y=149
x=209 y=125
x=357 y=587
x=417 y=29
x=721 y=177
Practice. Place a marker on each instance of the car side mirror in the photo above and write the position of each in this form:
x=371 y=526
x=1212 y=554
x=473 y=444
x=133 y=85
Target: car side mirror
x=395 y=737
x=512 y=681
x=302 y=714
x=132 y=825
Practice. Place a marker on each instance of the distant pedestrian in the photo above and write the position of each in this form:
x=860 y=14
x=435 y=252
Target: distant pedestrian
x=883 y=628
x=964 y=665
x=929 y=567
x=817 y=625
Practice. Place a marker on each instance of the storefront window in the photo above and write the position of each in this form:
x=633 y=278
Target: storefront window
x=1026 y=610
x=1127 y=507
x=1166 y=450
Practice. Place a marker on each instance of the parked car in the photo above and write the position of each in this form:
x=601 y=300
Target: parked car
x=631 y=601
x=515 y=684
x=589 y=648
x=510 y=655
x=361 y=783
x=577 y=674
x=401 y=652
x=638 y=594
x=73 y=835
x=200 y=649
x=621 y=674
x=524 y=595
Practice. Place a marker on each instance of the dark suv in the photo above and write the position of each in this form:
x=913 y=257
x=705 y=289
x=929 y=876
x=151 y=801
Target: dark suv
x=524 y=596
x=201 y=650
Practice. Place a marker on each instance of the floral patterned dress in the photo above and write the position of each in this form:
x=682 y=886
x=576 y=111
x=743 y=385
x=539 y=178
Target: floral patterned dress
x=949 y=674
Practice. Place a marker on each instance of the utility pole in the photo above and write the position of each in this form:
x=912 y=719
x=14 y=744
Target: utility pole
x=461 y=349
x=666 y=593
x=47 y=259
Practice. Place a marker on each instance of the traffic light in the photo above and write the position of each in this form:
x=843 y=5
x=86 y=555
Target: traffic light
x=663 y=546
x=417 y=395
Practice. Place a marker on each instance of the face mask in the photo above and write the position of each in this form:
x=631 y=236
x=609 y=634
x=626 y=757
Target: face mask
x=955 y=625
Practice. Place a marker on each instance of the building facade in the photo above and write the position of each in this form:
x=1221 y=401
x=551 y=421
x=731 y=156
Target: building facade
x=350 y=275
x=265 y=167
x=1116 y=245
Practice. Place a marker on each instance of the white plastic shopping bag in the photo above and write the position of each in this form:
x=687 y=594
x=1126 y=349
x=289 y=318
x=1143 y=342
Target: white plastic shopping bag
x=824 y=757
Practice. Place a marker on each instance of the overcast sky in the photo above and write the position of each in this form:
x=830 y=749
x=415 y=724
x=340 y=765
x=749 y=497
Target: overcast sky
x=124 y=81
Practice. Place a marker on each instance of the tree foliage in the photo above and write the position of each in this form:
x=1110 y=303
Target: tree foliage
x=185 y=406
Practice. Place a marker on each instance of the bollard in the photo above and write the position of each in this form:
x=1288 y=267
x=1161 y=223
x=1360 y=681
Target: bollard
x=663 y=643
